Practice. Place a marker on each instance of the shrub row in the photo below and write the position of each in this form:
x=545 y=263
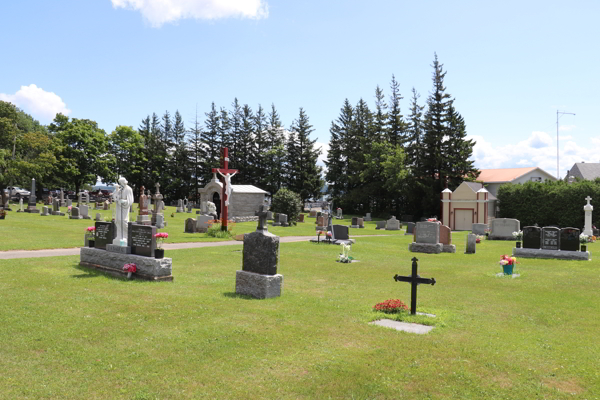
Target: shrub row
x=548 y=203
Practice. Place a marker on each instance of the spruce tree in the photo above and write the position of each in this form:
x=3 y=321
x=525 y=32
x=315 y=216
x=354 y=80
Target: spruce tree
x=276 y=153
x=415 y=132
x=302 y=159
x=211 y=140
x=234 y=133
x=396 y=125
x=196 y=155
x=337 y=157
x=245 y=154
x=435 y=126
x=458 y=150
x=261 y=146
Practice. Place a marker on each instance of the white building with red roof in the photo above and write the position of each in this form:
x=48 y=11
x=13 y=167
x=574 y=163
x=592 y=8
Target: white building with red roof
x=493 y=178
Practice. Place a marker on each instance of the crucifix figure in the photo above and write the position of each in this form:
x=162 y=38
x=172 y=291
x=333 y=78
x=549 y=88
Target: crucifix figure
x=226 y=173
x=414 y=280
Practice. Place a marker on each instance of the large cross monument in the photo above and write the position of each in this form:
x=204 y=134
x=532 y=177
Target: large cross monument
x=226 y=175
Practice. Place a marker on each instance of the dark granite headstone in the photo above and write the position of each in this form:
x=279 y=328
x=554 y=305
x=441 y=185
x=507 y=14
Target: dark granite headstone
x=550 y=238
x=410 y=227
x=569 y=239
x=261 y=253
x=340 y=232
x=142 y=240
x=105 y=233
x=190 y=225
x=354 y=221
x=532 y=237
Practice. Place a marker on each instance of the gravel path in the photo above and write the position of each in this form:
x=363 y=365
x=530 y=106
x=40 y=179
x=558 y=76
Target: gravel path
x=7 y=255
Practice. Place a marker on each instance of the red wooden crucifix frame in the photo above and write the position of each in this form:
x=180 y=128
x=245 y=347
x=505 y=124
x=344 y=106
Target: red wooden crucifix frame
x=224 y=170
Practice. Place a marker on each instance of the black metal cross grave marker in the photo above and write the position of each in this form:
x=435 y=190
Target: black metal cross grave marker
x=414 y=279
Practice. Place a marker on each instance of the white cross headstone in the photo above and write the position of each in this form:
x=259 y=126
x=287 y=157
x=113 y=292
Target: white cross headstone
x=588 y=208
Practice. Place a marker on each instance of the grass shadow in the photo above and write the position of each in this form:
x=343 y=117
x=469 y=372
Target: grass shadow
x=94 y=273
x=234 y=295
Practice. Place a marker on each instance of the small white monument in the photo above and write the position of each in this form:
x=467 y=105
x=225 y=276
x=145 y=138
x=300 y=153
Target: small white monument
x=123 y=198
x=588 y=208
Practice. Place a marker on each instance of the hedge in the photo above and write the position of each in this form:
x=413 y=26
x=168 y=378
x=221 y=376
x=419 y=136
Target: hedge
x=548 y=203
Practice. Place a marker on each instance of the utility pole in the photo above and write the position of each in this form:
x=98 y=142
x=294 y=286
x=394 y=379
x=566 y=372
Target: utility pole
x=557 y=113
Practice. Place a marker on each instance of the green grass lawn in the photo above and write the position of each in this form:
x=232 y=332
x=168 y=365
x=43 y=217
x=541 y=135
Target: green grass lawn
x=71 y=333
x=24 y=231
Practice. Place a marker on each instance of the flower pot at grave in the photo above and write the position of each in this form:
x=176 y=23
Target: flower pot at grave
x=583 y=247
x=91 y=243
x=508 y=269
x=518 y=245
x=159 y=253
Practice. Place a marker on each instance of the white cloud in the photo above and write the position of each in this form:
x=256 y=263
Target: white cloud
x=535 y=151
x=36 y=101
x=538 y=140
x=159 y=12
x=566 y=128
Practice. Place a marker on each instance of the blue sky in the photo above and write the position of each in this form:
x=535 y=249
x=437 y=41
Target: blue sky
x=510 y=65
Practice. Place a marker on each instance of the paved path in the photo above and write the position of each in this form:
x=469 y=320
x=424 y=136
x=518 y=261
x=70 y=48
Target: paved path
x=6 y=255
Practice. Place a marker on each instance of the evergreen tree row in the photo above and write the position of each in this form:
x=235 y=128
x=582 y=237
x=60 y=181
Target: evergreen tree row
x=73 y=153
x=260 y=148
x=385 y=163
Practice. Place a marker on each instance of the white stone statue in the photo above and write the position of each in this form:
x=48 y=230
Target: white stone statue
x=123 y=198
x=212 y=209
x=228 y=188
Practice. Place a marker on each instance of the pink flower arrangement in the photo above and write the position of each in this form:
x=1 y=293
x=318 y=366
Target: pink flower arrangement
x=130 y=269
x=507 y=260
x=160 y=238
x=90 y=232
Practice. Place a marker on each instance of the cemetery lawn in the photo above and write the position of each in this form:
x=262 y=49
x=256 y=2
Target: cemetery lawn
x=71 y=333
x=24 y=231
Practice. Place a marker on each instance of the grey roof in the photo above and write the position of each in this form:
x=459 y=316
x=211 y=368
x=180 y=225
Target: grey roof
x=587 y=171
x=247 y=189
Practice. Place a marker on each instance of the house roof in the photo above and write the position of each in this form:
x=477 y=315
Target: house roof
x=502 y=174
x=588 y=171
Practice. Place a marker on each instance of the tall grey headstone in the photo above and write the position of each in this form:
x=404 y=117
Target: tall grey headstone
x=258 y=277
x=471 y=243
